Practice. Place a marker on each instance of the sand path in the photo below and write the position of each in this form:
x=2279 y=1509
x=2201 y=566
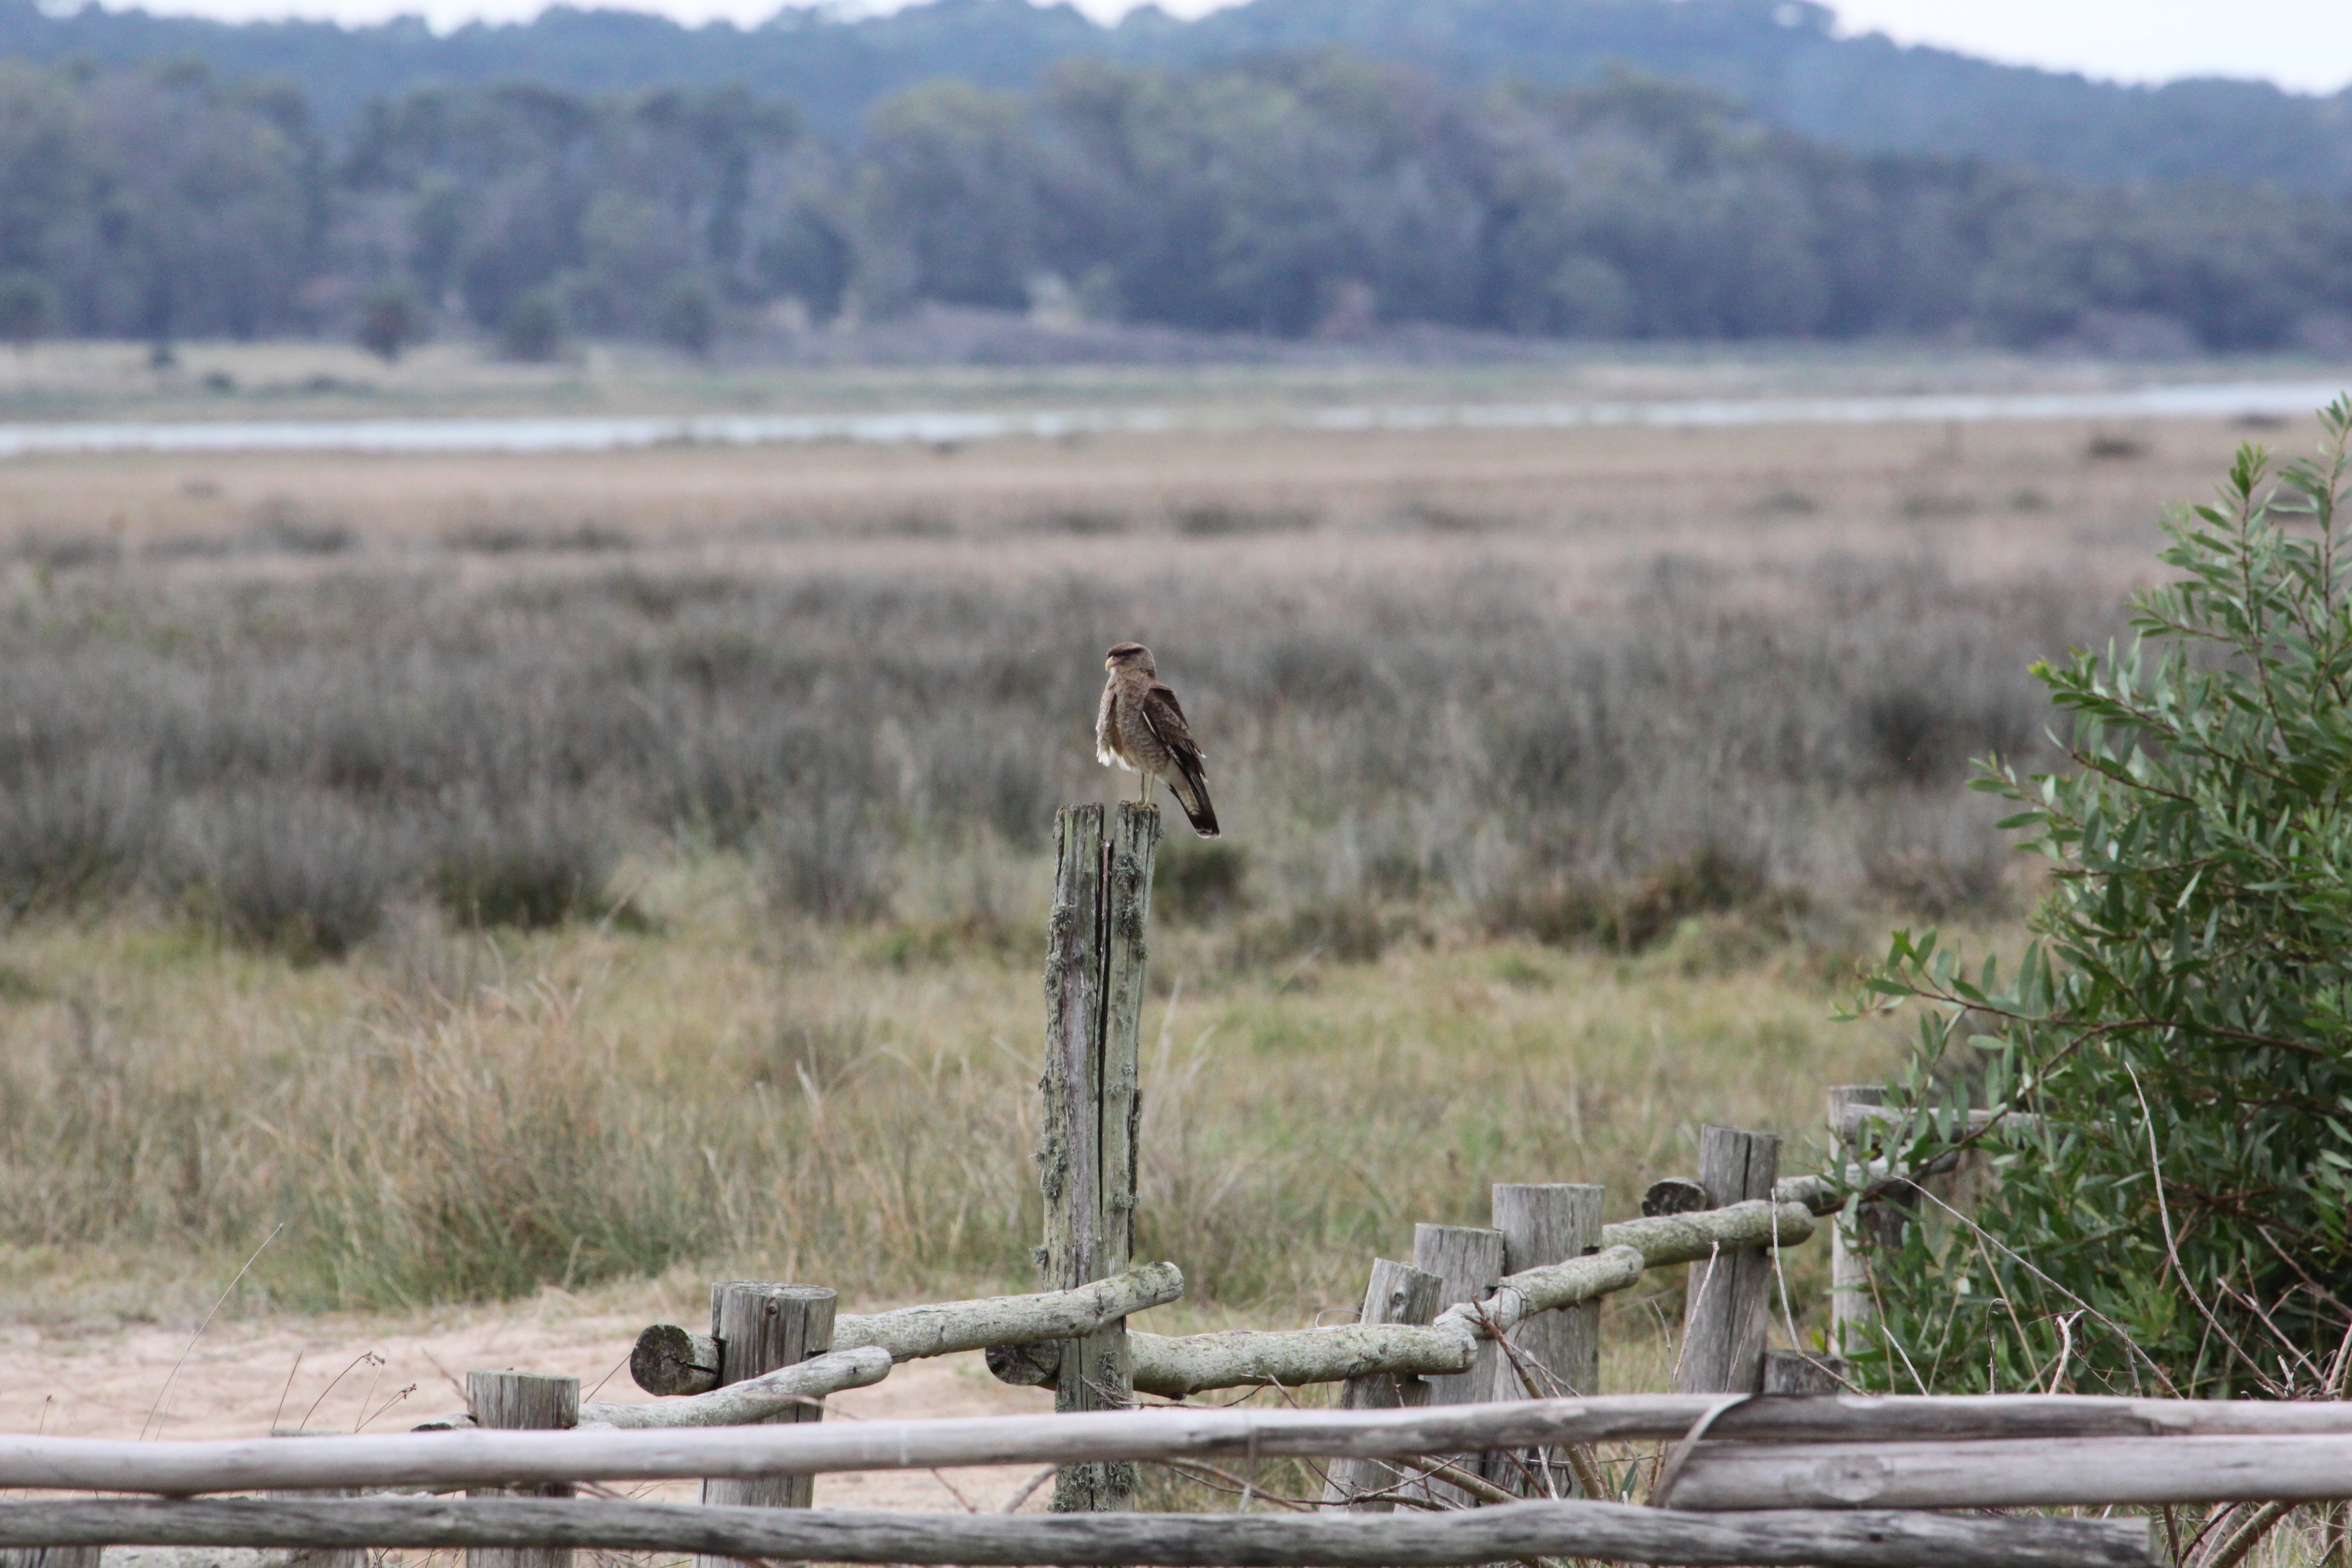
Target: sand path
x=337 y=1372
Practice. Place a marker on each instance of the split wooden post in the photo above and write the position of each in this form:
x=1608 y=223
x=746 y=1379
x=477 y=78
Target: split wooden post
x=760 y=1328
x=1094 y=1009
x=522 y=1401
x=1851 y=1311
x=1543 y=1224
x=1729 y=1296
x=1398 y=1293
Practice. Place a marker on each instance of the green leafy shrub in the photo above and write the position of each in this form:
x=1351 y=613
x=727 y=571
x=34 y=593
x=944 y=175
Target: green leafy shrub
x=2159 y=1200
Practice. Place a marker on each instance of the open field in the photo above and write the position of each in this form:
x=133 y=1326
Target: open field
x=548 y=873
x=1990 y=498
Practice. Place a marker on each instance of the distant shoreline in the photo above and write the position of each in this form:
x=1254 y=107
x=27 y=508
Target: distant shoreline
x=528 y=434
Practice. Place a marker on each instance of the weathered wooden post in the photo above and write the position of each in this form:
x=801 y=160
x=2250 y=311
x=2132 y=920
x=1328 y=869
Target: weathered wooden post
x=1398 y=1293
x=523 y=1402
x=1851 y=1308
x=50 y=1557
x=759 y=1328
x=1560 y=1350
x=1093 y=1007
x=1467 y=1260
x=1729 y=1296
x=1540 y=1224
x=1799 y=1372
x=310 y=1557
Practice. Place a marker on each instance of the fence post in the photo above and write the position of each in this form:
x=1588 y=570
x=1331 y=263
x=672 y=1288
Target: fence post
x=1729 y=1296
x=1468 y=1259
x=525 y=1402
x=1398 y=1293
x=50 y=1557
x=1094 y=1006
x=1851 y=1309
x=1798 y=1371
x=761 y=1327
x=317 y=1556
x=1545 y=1223
x=1540 y=1224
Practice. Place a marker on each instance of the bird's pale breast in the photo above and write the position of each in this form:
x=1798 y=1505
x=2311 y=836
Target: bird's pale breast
x=1121 y=732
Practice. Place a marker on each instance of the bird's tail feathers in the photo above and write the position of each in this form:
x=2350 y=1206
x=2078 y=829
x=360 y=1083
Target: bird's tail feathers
x=1191 y=791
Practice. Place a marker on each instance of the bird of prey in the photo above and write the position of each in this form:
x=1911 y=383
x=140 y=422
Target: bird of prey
x=1140 y=728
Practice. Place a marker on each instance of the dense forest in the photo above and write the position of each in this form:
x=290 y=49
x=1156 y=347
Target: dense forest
x=1287 y=195
x=1784 y=58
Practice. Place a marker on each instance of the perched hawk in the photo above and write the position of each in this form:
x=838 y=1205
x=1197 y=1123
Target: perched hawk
x=1140 y=728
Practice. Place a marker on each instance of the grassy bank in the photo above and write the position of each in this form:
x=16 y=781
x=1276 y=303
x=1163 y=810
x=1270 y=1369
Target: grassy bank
x=449 y=1115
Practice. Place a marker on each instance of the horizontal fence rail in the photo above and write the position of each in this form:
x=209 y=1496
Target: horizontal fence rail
x=2032 y=1473
x=1194 y=1364
x=755 y=1399
x=1879 y=1426
x=1591 y=1530
x=672 y=1360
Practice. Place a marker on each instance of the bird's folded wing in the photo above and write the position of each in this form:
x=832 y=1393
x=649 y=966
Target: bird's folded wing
x=1165 y=720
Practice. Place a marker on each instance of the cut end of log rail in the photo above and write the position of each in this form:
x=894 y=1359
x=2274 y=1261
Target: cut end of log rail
x=669 y=1360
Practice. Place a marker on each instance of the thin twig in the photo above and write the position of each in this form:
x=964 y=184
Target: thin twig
x=1226 y=1481
x=2164 y=1215
x=2121 y=1333
x=394 y=1399
x=362 y=1359
x=278 y=1415
x=161 y=1411
x=2247 y=1535
x=1030 y=1489
x=608 y=1377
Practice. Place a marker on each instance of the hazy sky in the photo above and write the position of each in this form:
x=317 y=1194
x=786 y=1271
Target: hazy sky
x=2304 y=44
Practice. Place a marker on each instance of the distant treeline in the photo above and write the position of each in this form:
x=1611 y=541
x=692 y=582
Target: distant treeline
x=1288 y=195
x=1786 y=58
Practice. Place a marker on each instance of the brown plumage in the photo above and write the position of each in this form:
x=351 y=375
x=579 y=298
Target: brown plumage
x=1140 y=728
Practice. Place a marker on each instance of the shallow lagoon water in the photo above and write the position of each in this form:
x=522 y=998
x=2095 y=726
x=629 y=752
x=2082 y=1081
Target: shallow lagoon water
x=939 y=427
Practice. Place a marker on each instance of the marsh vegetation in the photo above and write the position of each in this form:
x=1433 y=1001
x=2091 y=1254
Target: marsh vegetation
x=529 y=872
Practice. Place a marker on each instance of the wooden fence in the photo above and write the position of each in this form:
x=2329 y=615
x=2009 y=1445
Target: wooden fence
x=1468 y=1428
x=1749 y=1479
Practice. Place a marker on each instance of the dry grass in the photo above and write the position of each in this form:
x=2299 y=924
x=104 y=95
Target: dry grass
x=2001 y=497
x=674 y=824
x=810 y=1103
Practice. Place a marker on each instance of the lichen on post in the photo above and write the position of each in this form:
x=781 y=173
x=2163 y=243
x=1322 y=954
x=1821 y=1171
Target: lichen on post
x=1094 y=1004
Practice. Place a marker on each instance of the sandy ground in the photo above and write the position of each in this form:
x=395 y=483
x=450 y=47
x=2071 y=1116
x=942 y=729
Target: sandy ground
x=341 y=1372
